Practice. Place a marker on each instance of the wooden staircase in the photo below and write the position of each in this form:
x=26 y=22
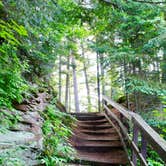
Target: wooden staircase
x=96 y=141
x=98 y=137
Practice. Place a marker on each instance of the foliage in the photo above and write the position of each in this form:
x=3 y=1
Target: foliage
x=12 y=84
x=11 y=157
x=157 y=120
x=56 y=130
x=131 y=36
x=8 y=119
x=146 y=87
x=154 y=159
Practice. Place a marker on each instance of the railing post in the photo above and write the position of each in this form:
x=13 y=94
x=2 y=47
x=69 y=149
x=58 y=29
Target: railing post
x=148 y=135
x=104 y=103
x=135 y=140
x=143 y=146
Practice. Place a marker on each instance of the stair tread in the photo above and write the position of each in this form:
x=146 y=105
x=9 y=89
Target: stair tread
x=93 y=121
x=95 y=140
x=93 y=125
x=88 y=143
x=95 y=132
x=113 y=157
x=113 y=136
x=88 y=118
x=86 y=113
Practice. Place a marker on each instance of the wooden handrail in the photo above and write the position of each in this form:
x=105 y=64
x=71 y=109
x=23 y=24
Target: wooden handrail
x=119 y=107
x=148 y=134
x=157 y=142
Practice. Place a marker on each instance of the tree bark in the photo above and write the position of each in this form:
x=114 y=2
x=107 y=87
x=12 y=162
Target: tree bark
x=86 y=79
x=163 y=64
x=75 y=85
x=67 y=84
x=102 y=76
x=136 y=96
x=98 y=82
x=125 y=83
x=163 y=67
x=69 y=94
x=60 y=78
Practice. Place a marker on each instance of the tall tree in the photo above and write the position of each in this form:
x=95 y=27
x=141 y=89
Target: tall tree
x=75 y=85
x=98 y=82
x=102 y=76
x=69 y=94
x=60 y=78
x=163 y=65
x=67 y=83
x=164 y=54
x=86 y=77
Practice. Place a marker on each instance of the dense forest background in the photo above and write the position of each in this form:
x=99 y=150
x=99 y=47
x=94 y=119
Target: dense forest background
x=78 y=50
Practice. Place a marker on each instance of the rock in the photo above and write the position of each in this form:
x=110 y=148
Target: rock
x=5 y=145
x=60 y=106
x=27 y=131
x=21 y=107
x=21 y=127
x=24 y=155
x=32 y=118
x=21 y=137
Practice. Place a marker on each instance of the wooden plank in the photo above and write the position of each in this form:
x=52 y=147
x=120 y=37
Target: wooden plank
x=123 y=128
x=121 y=138
x=135 y=140
x=134 y=146
x=136 y=149
x=153 y=138
x=120 y=108
x=143 y=145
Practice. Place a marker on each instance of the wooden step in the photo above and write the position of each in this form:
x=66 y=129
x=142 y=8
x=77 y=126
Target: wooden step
x=92 y=117
x=113 y=157
x=94 y=127
x=94 y=122
x=95 y=132
x=96 y=141
x=97 y=149
x=86 y=113
x=81 y=142
x=108 y=137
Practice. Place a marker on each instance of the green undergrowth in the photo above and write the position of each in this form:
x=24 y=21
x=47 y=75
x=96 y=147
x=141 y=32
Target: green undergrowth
x=157 y=120
x=12 y=84
x=13 y=156
x=9 y=118
x=56 y=131
x=153 y=158
x=9 y=115
x=10 y=157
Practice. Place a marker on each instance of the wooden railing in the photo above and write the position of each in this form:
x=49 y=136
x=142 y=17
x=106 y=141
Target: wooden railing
x=131 y=128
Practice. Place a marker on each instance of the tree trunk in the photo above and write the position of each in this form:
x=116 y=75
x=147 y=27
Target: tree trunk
x=67 y=84
x=163 y=67
x=102 y=76
x=158 y=68
x=75 y=85
x=98 y=82
x=125 y=83
x=60 y=78
x=163 y=64
x=69 y=94
x=86 y=79
x=136 y=94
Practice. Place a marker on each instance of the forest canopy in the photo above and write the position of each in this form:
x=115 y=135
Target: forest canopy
x=128 y=36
